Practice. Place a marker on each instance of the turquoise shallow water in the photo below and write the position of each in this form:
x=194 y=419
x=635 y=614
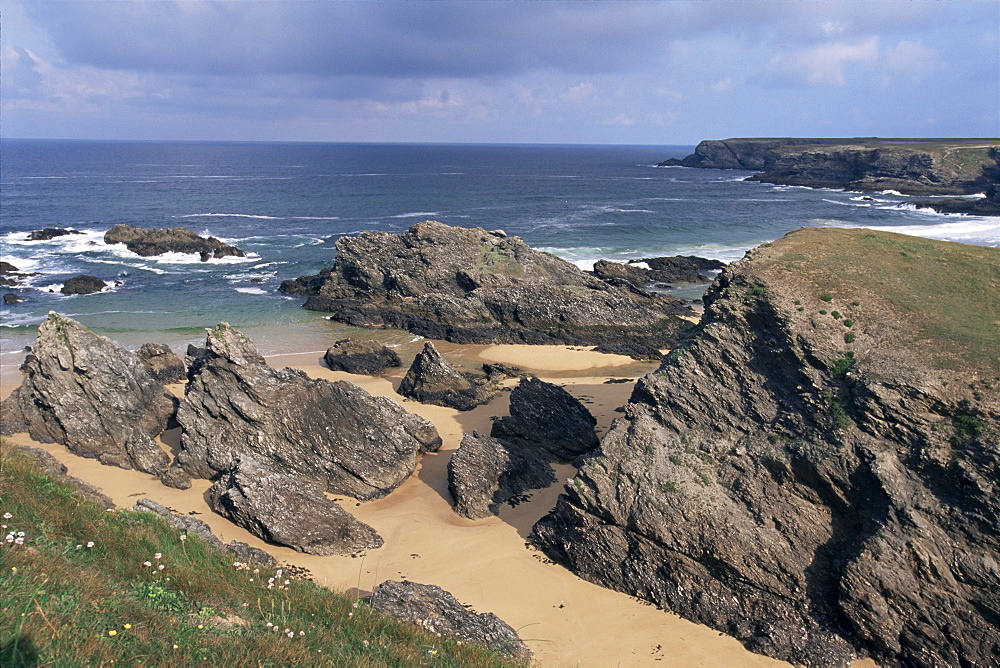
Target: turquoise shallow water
x=287 y=204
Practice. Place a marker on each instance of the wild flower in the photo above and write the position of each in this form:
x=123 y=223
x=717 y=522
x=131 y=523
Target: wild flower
x=183 y=536
x=112 y=633
x=157 y=556
x=126 y=626
x=147 y=563
x=90 y=543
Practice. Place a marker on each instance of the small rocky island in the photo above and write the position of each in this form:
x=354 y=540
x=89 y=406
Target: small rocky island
x=924 y=167
x=816 y=469
x=479 y=286
x=157 y=241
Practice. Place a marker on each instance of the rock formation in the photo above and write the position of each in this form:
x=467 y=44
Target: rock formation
x=475 y=286
x=91 y=395
x=163 y=364
x=910 y=166
x=484 y=473
x=83 y=284
x=435 y=610
x=548 y=421
x=157 y=240
x=370 y=358
x=431 y=380
x=658 y=270
x=50 y=233
x=335 y=434
x=287 y=509
x=815 y=471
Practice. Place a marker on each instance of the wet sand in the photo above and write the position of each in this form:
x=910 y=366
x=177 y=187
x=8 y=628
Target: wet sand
x=565 y=620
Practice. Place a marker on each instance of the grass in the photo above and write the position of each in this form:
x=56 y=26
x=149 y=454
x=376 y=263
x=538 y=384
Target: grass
x=92 y=587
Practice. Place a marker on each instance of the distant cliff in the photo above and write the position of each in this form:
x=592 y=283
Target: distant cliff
x=910 y=166
x=816 y=470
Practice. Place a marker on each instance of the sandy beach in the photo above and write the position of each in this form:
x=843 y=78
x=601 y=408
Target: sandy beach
x=565 y=620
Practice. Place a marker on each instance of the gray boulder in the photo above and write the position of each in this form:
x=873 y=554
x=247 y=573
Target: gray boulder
x=334 y=434
x=431 y=380
x=370 y=358
x=436 y=610
x=161 y=361
x=91 y=395
x=484 y=473
x=83 y=284
x=288 y=510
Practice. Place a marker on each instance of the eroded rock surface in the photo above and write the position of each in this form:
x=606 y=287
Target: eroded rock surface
x=370 y=358
x=161 y=361
x=431 y=380
x=436 y=610
x=157 y=240
x=288 y=509
x=547 y=420
x=91 y=395
x=335 y=434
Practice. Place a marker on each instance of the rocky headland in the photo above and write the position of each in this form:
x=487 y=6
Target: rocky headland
x=479 y=286
x=814 y=471
x=157 y=241
x=868 y=164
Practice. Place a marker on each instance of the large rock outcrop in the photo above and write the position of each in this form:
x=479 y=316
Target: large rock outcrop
x=158 y=240
x=910 y=166
x=546 y=420
x=475 y=286
x=288 y=509
x=815 y=471
x=431 y=380
x=335 y=434
x=435 y=610
x=91 y=395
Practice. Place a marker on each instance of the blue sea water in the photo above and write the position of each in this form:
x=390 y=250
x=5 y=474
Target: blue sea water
x=286 y=204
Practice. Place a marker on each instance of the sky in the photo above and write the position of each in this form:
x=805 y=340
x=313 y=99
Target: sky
x=577 y=72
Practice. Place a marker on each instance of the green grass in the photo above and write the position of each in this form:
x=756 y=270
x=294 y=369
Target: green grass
x=77 y=592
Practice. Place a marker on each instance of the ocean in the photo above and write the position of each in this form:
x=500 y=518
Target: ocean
x=286 y=204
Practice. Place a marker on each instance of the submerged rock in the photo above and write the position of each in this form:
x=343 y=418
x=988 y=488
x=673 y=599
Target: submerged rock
x=434 y=609
x=50 y=233
x=288 y=510
x=370 y=358
x=475 y=286
x=157 y=241
x=91 y=395
x=335 y=434
x=161 y=361
x=431 y=380
x=83 y=285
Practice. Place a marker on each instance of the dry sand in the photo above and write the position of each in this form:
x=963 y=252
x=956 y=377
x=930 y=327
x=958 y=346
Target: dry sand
x=484 y=563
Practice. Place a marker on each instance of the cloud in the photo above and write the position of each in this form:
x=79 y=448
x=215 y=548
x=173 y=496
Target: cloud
x=913 y=60
x=822 y=64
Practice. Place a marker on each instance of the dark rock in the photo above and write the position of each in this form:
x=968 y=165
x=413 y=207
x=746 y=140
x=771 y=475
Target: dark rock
x=6 y=268
x=633 y=350
x=83 y=285
x=435 y=610
x=431 y=380
x=50 y=233
x=658 y=270
x=288 y=510
x=176 y=477
x=362 y=357
x=817 y=504
x=475 y=286
x=11 y=298
x=91 y=395
x=334 y=434
x=546 y=421
x=157 y=240
x=484 y=473
x=163 y=364
x=53 y=468
x=193 y=526
x=498 y=371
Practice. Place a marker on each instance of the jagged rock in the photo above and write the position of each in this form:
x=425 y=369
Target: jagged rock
x=811 y=472
x=362 y=357
x=11 y=298
x=498 y=371
x=547 y=421
x=83 y=285
x=192 y=525
x=484 y=473
x=288 y=510
x=673 y=269
x=50 y=233
x=52 y=467
x=157 y=240
x=334 y=434
x=161 y=361
x=633 y=350
x=6 y=268
x=475 y=286
x=431 y=380
x=435 y=610
x=91 y=395
x=176 y=477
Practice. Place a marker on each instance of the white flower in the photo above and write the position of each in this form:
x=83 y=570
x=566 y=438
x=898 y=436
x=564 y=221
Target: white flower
x=147 y=563
x=19 y=540
x=157 y=556
x=90 y=543
x=184 y=536
x=160 y=567
x=7 y=516
x=291 y=634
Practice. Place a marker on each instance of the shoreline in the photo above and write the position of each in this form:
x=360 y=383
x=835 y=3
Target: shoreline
x=484 y=563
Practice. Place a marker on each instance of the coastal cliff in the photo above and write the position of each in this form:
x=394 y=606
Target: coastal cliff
x=815 y=470
x=911 y=166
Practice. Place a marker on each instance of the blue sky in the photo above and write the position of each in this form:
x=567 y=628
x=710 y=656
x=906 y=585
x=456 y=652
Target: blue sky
x=550 y=72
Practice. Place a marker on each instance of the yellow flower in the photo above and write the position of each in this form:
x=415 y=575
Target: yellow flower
x=175 y=646
x=112 y=632
x=201 y=626
x=128 y=626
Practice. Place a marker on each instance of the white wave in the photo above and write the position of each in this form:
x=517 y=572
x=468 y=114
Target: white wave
x=267 y=264
x=858 y=204
x=52 y=287
x=119 y=263
x=639 y=265
x=417 y=214
x=231 y=215
x=869 y=198
x=179 y=258
x=894 y=193
x=252 y=291
x=315 y=217
x=10 y=319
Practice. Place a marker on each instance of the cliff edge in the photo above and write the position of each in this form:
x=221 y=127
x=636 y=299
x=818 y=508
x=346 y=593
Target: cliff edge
x=815 y=470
